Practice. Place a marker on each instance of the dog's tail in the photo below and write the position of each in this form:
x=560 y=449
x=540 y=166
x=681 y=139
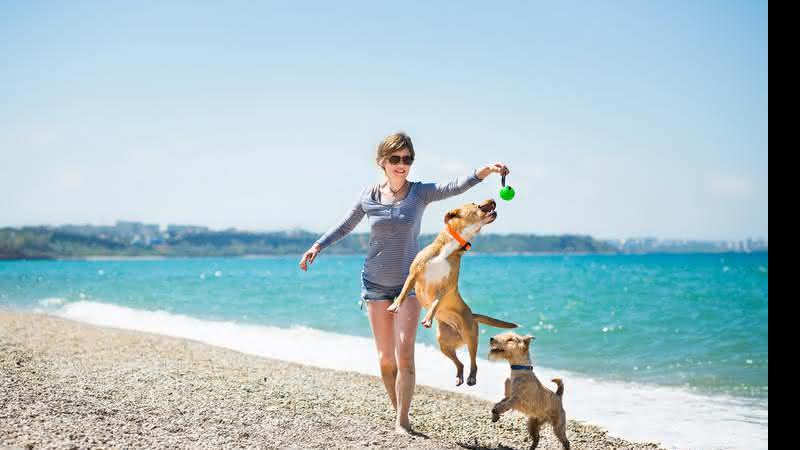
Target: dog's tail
x=560 y=391
x=493 y=322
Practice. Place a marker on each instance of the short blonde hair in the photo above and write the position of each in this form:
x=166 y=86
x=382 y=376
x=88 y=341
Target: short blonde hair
x=393 y=143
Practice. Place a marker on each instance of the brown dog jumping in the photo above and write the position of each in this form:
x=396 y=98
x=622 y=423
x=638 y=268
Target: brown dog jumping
x=434 y=277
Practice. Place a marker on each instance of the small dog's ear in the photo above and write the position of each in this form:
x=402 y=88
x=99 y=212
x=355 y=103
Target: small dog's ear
x=527 y=340
x=450 y=215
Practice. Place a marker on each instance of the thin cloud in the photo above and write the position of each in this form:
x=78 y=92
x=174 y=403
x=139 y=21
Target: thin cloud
x=730 y=185
x=71 y=177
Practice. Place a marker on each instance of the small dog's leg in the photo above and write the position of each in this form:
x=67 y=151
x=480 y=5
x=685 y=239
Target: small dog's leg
x=533 y=431
x=503 y=406
x=506 y=395
x=428 y=320
x=560 y=429
x=395 y=306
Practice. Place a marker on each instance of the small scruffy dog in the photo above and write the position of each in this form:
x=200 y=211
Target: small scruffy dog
x=524 y=392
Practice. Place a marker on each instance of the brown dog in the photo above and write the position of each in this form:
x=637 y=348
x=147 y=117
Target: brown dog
x=524 y=392
x=434 y=277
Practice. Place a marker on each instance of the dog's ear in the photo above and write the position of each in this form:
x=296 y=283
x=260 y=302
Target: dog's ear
x=527 y=340
x=451 y=214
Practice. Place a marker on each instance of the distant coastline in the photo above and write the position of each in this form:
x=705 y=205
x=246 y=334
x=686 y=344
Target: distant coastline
x=266 y=256
x=135 y=240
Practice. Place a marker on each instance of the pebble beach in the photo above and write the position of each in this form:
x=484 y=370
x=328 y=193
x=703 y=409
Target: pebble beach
x=66 y=384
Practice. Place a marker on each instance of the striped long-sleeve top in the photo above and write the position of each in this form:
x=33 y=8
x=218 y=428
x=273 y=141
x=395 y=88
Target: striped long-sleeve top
x=394 y=228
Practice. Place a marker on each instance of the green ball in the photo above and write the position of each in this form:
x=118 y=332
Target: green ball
x=507 y=193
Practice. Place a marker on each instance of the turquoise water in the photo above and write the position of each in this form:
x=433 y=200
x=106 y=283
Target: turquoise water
x=690 y=321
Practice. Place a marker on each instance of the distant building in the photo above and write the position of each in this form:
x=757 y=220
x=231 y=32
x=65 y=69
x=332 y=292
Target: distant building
x=135 y=232
x=654 y=245
x=179 y=230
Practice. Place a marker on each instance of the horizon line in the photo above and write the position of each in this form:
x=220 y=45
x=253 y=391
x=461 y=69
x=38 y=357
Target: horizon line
x=163 y=228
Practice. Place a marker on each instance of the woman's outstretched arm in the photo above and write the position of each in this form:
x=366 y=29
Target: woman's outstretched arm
x=439 y=191
x=348 y=223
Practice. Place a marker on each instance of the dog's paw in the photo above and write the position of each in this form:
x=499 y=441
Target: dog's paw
x=393 y=308
x=471 y=381
x=427 y=323
x=495 y=416
x=459 y=380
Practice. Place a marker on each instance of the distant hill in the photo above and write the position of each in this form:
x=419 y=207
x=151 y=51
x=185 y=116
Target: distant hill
x=138 y=239
x=78 y=242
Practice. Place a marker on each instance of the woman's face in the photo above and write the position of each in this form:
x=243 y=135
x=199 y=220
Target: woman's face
x=400 y=169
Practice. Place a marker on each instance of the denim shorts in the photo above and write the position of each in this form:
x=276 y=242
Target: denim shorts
x=371 y=292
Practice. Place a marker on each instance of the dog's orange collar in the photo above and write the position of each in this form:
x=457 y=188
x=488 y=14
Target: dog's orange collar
x=464 y=244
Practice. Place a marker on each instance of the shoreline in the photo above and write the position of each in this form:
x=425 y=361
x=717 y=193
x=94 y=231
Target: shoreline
x=285 y=255
x=69 y=383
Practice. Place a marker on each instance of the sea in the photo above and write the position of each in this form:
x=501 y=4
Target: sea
x=661 y=348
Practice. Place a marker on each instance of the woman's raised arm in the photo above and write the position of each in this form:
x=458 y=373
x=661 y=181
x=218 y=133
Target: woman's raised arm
x=435 y=192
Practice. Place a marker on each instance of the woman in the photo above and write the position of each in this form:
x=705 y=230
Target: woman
x=394 y=208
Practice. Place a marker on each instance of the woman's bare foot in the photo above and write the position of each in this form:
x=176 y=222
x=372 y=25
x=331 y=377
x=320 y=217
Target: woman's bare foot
x=402 y=428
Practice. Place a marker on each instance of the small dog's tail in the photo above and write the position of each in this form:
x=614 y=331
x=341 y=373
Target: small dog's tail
x=493 y=322
x=560 y=391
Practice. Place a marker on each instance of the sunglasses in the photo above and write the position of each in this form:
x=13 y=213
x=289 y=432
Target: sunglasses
x=407 y=160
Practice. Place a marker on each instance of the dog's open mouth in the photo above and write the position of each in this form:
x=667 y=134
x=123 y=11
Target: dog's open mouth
x=488 y=206
x=496 y=354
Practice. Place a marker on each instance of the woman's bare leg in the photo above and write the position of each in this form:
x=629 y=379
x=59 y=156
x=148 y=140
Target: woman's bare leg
x=382 y=323
x=406 y=322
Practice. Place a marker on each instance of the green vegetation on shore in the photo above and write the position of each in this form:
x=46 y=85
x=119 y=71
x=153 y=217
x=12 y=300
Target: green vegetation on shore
x=53 y=243
x=126 y=239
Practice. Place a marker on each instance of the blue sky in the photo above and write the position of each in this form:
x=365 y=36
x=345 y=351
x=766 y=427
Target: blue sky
x=617 y=119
